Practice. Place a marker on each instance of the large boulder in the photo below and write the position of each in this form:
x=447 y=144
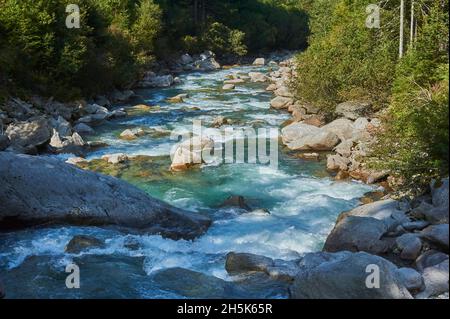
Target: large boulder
x=353 y=109
x=259 y=61
x=431 y=213
x=363 y=228
x=192 y=284
x=437 y=235
x=206 y=62
x=281 y=102
x=191 y=152
x=34 y=132
x=36 y=190
x=151 y=80
x=258 y=77
x=436 y=280
x=343 y=128
x=355 y=233
x=303 y=137
x=440 y=193
x=345 y=275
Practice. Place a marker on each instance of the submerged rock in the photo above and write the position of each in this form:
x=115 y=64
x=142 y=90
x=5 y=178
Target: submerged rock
x=192 y=284
x=82 y=242
x=228 y=87
x=244 y=262
x=37 y=190
x=132 y=134
x=236 y=201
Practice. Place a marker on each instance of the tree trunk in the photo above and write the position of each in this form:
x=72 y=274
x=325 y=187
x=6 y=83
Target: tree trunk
x=402 y=15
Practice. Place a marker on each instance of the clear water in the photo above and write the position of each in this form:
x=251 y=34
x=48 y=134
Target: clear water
x=302 y=199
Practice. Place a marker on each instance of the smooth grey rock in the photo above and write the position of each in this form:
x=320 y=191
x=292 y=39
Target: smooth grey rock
x=416 y=225
x=38 y=190
x=431 y=213
x=410 y=246
x=304 y=137
x=385 y=210
x=353 y=109
x=343 y=128
x=410 y=278
x=83 y=129
x=281 y=102
x=258 y=77
x=437 y=235
x=259 y=61
x=436 y=280
x=440 y=193
x=355 y=233
x=151 y=80
x=192 y=284
x=31 y=133
x=430 y=258
x=343 y=275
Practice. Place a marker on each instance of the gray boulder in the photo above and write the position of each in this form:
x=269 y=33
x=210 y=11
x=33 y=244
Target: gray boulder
x=437 y=235
x=151 y=80
x=37 y=190
x=436 y=280
x=34 y=132
x=345 y=275
x=410 y=278
x=192 y=284
x=354 y=233
x=353 y=109
x=430 y=258
x=410 y=246
x=343 y=128
x=440 y=193
x=304 y=137
x=431 y=213
x=281 y=102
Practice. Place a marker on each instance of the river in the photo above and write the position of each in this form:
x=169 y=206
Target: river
x=303 y=201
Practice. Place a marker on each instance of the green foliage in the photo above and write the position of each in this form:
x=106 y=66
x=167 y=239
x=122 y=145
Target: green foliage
x=41 y=54
x=345 y=59
x=120 y=38
x=222 y=40
x=266 y=24
x=414 y=142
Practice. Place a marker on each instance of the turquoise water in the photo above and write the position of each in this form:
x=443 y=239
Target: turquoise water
x=302 y=199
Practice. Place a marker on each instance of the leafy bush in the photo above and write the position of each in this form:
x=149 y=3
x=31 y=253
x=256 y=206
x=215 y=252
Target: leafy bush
x=414 y=142
x=222 y=40
x=345 y=59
